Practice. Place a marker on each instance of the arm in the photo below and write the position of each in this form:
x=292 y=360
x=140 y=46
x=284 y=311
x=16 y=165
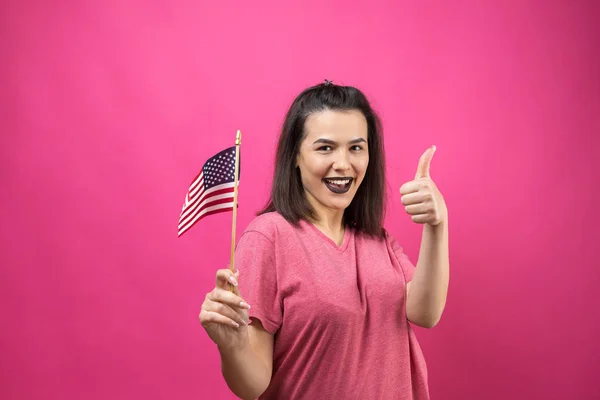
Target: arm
x=248 y=369
x=426 y=293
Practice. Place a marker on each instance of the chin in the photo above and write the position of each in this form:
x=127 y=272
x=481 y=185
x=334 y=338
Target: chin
x=340 y=205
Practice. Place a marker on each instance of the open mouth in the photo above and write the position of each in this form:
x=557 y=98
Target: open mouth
x=338 y=185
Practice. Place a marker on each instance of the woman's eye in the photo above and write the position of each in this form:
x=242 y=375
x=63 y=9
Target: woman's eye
x=324 y=148
x=356 y=148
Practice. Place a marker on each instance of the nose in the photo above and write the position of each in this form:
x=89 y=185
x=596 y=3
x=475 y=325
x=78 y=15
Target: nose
x=341 y=161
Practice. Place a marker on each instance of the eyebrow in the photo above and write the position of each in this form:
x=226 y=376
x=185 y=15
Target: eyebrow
x=328 y=141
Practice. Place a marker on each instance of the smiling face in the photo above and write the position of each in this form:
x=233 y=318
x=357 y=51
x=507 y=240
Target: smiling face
x=333 y=158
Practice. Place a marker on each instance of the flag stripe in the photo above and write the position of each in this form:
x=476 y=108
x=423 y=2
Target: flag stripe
x=196 y=181
x=217 y=197
x=189 y=202
x=192 y=192
x=223 y=203
x=198 y=188
x=214 y=191
x=181 y=232
x=207 y=211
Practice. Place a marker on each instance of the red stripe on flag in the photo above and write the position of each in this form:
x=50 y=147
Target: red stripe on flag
x=204 y=206
x=192 y=207
x=181 y=232
x=197 y=217
x=197 y=198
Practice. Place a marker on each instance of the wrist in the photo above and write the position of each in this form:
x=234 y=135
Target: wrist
x=235 y=347
x=442 y=222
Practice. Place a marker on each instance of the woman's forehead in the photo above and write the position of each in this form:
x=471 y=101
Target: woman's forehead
x=336 y=125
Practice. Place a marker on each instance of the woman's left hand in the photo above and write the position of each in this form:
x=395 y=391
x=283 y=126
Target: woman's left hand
x=421 y=198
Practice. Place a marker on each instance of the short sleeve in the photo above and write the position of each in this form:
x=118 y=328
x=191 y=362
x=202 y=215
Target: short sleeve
x=255 y=258
x=407 y=267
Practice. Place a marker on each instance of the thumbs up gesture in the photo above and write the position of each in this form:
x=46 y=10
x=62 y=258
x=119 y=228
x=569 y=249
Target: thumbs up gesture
x=421 y=198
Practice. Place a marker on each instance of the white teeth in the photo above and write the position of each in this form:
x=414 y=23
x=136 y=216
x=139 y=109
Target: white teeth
x=339 y=181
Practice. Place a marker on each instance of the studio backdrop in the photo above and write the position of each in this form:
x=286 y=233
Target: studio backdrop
x=109 y=109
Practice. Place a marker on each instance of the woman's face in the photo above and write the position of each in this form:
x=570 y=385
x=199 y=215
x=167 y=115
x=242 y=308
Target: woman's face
x=333 y=158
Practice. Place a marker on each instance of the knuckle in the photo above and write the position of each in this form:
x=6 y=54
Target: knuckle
x=204 y=317
x=221 y=274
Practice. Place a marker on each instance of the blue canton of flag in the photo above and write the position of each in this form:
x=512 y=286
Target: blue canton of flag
x=220 y=168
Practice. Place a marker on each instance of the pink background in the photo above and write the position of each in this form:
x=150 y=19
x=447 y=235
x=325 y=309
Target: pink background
x=110 y=108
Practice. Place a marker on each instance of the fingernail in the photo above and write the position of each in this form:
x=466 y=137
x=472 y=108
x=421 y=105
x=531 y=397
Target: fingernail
x=233 y=280
x=249 y=321
x=244 y=304
x=235 y=324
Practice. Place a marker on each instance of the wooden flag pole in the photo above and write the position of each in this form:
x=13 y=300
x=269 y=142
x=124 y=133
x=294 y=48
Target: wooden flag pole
x=238 y=142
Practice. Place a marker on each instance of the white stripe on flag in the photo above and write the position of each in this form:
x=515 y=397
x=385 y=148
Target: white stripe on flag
x=199 y=188
x=206 y=201
x=194 y=187
x=193 y=199
x=206 y=210
x=185 y=213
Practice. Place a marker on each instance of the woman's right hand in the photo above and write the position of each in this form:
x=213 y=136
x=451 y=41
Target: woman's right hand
x=224 y=314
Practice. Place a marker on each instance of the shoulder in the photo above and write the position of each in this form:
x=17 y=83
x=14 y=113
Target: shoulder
x=271 y=225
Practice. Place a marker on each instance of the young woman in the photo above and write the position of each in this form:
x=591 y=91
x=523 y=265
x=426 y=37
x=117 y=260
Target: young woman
x=323 y=297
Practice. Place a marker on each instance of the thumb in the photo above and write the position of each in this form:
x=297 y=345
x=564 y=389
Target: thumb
x=425 y=163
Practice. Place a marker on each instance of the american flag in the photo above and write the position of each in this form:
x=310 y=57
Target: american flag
x=211 y=191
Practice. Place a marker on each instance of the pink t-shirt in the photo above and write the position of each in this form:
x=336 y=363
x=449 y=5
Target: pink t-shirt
x=338 y=313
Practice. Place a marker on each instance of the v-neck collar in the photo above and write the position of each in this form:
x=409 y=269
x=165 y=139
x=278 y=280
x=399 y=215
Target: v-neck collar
x=341 y=248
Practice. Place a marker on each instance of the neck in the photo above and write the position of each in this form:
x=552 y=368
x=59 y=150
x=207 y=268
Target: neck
x=330 y=221
x=327 y=220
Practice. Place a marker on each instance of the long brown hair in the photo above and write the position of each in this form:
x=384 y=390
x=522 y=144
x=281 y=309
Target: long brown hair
x=366 y=211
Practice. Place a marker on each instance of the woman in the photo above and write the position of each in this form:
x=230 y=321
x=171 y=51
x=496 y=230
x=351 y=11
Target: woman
x=325 y=294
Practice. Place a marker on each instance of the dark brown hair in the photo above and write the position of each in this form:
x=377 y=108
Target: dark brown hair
x=366 y=211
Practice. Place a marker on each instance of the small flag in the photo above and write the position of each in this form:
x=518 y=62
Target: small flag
x=211 y=191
